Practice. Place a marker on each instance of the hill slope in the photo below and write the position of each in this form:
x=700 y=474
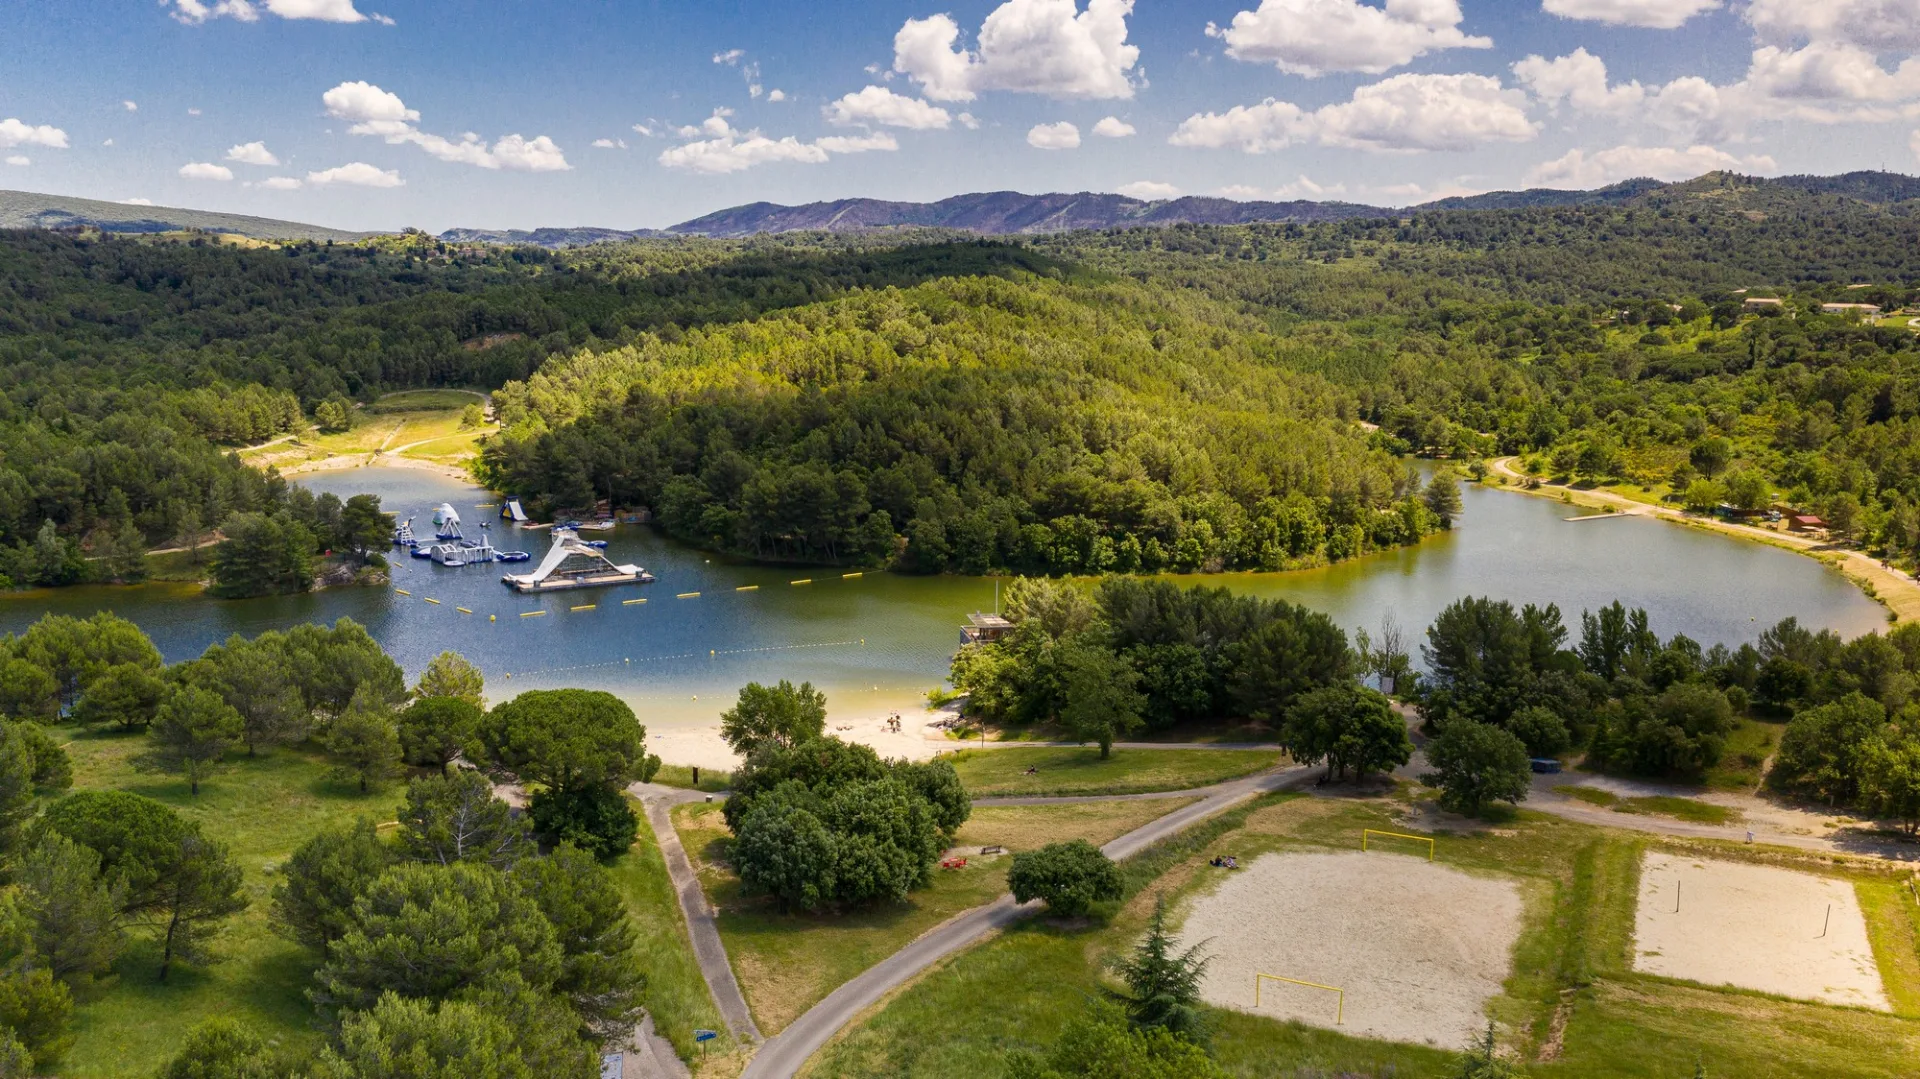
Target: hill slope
x=31 y=210
x=1003 y=213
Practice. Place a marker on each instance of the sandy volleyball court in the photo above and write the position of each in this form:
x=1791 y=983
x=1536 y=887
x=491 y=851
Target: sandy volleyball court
x=1755 y=927
x=1418 y=947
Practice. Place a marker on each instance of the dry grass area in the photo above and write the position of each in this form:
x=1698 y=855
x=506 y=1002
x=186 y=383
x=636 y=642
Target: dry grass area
x=1419 y=947
x=1028 y=827
x=1755 y=927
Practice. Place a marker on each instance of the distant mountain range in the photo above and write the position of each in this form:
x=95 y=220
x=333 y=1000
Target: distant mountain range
x=31 y=210
x=1002 y=213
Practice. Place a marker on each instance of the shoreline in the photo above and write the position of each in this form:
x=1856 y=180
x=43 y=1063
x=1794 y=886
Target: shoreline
x=1896 y=592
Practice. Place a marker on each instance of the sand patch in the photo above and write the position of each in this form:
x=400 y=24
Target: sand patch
x=1419 y=948
x=1756 y=927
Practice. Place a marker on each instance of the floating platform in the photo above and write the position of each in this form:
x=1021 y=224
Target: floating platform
x=571 y=563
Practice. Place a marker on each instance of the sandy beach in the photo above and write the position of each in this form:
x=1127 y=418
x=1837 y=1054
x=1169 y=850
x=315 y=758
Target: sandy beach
x=918 y=739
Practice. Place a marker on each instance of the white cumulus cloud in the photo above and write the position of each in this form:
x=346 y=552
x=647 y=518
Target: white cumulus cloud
x=1114 y=128
x=19 y=160
x=377 y=112
x=14 y=132
x=1652 y=14
x=1046 y=47
x=282 y=183
x=1056 y=136
x=879 y=106
x=130 y=106
x=136 y=202
x=356 y=174
x=1149 y=190
x=718 y=148
x=1402 y=114
x=205 y=170
x=1579 y=79
x=251 y=153
x=776 y=95
x=1579 y=169
x=1879 y=25
x=195 y=12
x=363 y=102
x=1314 y=37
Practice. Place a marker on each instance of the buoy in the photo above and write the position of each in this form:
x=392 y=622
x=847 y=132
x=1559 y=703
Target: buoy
x=493 y=618
x=711 y=652
x=403 y=591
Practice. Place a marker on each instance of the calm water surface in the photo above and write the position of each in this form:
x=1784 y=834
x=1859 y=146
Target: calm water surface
x=878 y=641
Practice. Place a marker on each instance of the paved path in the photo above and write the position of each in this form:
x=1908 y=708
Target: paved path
x=701 y=928
x=785 y=1053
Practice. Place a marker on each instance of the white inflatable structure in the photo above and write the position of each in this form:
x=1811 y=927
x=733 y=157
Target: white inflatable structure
x=571 y=563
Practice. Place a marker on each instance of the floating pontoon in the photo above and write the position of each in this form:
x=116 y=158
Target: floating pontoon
x=571 y=563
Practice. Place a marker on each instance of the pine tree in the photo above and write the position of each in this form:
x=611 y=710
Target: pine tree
x=1164 y=988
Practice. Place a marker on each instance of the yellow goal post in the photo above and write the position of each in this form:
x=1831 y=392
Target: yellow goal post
x=1367 y=834
x=1340 y=1006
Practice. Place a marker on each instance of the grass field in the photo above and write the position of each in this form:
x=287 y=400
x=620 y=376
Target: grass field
x=787 y=962
x=1657 y=805
x=430 y=433
x=1079 y=770
x=712 y=780
x=261 y=809
x=1749 y=745
x=426 y=401
x=1572 y=1007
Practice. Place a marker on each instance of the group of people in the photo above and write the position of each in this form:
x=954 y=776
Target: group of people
x=1225 y=862
x=893 y=723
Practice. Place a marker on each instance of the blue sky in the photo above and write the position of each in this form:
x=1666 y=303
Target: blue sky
x=630 y=113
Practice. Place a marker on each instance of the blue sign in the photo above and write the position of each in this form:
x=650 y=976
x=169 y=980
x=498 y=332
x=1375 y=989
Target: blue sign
x=705 y=1035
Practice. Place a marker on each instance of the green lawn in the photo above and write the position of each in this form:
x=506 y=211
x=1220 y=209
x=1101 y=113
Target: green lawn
x=712 y=780
x=261 y=809
x=1571 y=1008
x=1078 y=770
x=787 y=962
x=424 y=401
x=1749 y=745
x=1687 y=809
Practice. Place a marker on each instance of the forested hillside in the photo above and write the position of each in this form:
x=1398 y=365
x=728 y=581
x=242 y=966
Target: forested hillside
x=1180 y=397
x=1067 y=427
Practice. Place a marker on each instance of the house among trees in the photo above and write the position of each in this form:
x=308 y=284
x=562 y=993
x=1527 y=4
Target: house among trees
x=984 y=628
x=1806 y=522
x=1756 y=303
x=1862 y=310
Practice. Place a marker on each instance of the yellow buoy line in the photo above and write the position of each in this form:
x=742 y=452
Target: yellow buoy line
x=640 y=601
x=709 y=654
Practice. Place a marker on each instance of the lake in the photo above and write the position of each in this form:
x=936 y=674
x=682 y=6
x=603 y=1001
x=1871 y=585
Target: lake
x=877 y=642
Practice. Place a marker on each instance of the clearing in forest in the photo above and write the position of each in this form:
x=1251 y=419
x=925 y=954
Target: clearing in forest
x=1419 y=948
x=1757 y=927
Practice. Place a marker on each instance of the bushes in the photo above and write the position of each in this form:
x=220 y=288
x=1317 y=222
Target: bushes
x=1475 y=765
x=825 y=823
x=1070 y=877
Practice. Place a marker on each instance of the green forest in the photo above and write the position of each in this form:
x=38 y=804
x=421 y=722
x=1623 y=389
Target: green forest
x=1183 y=398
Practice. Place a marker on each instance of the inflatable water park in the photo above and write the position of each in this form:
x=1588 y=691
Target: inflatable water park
x=570 y=562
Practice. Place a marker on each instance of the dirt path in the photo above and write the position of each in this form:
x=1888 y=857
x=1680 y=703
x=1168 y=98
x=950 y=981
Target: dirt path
x=1897 y=591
